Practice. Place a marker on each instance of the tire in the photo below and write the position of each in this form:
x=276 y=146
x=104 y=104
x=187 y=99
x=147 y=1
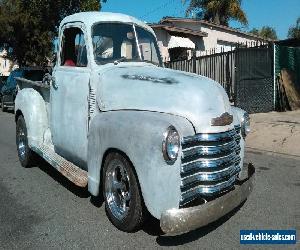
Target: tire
x=121 y=188
x=27 y=157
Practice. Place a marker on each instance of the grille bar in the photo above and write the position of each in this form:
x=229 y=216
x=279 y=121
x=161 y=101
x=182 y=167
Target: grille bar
x=206 y=190
x=210 y=163
x=210 y=176
x=200 y=151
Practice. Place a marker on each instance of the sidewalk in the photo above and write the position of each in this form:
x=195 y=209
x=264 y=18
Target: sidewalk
x=275 y=132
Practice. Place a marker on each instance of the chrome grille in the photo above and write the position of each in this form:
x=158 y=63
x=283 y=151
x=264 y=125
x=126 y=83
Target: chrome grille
x=210 y=164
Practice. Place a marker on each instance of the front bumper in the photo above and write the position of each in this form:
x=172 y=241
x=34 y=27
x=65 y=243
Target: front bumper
x=179 y=221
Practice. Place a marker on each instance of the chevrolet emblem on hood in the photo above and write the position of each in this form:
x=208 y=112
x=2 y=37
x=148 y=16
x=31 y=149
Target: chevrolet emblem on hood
x=223 y=120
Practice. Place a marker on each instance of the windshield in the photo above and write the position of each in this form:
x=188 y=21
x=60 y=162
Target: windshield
x=115 y=42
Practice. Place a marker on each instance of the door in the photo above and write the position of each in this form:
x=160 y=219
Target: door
x=69 y=96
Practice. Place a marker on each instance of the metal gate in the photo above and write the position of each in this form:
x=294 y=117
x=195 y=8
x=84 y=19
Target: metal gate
x=254 y=85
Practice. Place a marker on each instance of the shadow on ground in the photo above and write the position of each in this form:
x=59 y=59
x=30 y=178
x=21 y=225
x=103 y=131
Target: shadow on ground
x=63 y=181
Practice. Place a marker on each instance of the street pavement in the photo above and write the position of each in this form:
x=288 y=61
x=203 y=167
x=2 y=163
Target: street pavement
x=39 y=209
x=276 y=132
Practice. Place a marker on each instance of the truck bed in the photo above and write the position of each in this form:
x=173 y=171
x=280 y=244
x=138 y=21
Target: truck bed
x=23 y=83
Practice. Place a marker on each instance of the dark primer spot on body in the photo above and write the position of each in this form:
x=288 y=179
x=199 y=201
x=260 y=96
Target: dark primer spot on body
x=165 y=80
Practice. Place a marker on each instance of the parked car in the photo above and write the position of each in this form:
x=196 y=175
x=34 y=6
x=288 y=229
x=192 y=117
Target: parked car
x=3 y=80
x=9 y=91
x=112 y=118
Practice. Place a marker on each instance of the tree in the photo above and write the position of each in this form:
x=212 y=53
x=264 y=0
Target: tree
x=29 y=26
x=255 y=31
x=294 y=31
x=265 y=32
x=218 y=11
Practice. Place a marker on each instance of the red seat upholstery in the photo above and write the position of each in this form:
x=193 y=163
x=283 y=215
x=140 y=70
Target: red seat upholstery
x=69 y=62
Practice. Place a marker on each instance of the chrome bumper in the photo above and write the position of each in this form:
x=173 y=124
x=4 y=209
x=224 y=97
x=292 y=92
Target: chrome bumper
x=179 y=221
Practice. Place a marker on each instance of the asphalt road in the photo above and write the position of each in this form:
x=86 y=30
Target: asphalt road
x=39 y=209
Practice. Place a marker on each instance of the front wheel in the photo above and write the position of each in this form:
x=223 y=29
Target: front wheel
x=26 y=156
x=123 y=199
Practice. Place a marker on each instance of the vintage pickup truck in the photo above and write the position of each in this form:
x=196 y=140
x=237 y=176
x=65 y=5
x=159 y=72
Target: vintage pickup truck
x=149 y=139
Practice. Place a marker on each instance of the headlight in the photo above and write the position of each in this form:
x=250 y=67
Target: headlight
x=245 y=124
x=171 y=145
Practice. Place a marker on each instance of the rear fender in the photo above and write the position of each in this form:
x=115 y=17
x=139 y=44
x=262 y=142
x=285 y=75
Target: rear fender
x=32 y=106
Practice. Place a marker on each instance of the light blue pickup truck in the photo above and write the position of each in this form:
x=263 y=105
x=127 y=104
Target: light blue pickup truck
x=147 y=138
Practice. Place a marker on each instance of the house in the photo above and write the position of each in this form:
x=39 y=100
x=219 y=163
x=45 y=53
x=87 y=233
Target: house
x=6 y=65
x=178 y=37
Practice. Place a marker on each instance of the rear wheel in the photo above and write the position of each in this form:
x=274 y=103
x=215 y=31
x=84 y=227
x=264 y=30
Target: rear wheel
x=121 y=192
x=26 y=156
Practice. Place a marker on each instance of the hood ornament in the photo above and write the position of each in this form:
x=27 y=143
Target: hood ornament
x=223 y=120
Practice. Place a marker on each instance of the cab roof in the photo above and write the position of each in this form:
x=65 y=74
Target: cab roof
x=92 y=17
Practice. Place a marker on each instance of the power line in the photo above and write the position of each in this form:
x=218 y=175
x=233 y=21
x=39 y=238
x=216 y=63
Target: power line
x=157 y=9
x=179 y=11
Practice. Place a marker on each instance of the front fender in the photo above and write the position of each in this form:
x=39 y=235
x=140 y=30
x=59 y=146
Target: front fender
x=139 y=135
x=33 y=107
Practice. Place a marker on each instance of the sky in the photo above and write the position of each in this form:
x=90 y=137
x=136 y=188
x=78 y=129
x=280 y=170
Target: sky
x=278 y=14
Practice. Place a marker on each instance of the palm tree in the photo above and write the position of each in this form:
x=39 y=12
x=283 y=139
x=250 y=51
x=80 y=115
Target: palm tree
x=265 y=32
x=218 y=11
x=294 y=31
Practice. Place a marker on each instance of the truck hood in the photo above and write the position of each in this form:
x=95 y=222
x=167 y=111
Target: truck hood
x=151 y=88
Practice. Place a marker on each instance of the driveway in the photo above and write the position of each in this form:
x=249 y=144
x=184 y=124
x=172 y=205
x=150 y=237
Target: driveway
x=275 y=132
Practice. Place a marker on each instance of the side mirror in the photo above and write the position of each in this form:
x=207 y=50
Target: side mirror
x=53 y=59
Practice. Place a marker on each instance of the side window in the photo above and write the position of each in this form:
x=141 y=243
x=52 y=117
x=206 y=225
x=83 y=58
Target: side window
x=73 y=51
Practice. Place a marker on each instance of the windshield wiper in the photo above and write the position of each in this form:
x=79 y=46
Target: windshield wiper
x=148 y=61
x=122 y=59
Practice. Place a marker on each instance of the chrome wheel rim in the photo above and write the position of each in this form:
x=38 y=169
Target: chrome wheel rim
x=117 y=189
x=21 y=143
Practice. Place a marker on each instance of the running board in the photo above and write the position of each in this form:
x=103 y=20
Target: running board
x=75 y=174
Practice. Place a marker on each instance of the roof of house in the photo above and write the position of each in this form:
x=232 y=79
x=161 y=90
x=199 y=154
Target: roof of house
x=166 y=20
x=174 y=29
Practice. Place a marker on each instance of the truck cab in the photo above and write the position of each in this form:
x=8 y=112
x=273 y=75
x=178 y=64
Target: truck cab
x=147 y=138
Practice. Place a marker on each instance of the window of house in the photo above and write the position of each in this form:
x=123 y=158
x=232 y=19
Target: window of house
x=179 y=53
x=74 y=52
